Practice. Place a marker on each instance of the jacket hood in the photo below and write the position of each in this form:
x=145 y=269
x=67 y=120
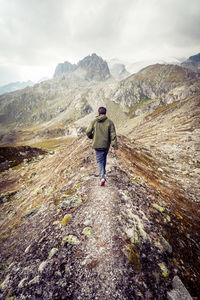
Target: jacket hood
x=101 y=118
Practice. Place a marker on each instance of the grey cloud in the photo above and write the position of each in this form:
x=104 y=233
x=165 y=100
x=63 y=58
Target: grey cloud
x=45 y=32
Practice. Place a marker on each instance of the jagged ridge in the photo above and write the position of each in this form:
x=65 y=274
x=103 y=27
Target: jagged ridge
x=94 y=66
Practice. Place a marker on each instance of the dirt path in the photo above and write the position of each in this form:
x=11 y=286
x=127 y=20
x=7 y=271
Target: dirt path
x=103 y=260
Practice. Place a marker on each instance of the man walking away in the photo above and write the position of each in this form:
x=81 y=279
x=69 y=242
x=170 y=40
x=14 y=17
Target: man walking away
x=102 y=132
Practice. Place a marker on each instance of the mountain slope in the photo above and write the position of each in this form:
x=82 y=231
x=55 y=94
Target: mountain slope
x=165 y=82
x=58 y=103
x=64 y=97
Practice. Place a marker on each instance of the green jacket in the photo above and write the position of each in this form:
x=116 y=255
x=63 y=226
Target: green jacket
x=102 y=131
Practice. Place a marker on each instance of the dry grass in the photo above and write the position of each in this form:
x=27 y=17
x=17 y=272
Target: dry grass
x=50 y=144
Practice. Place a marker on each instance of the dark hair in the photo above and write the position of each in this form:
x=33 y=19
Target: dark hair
x=102 y=110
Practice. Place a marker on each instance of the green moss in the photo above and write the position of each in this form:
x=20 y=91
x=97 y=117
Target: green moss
x=87 y=231
x=5 y=236
x=135 y=239
x=69 y=193
x=164 y=269
x=52 y=252
x=49 y=190
x=71 y=201
x=78 y=185
x=163 y=211
x=131 y=110
x=158 y=207
x=66 y=219
x=70 y=239
x=56 y=223
x=2 y=268
x=167 y=219
x=134 y=180
x=56 y=201
x=134 y=256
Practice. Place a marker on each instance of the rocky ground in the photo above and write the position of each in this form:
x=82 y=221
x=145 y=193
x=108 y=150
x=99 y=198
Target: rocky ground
x=65 y=237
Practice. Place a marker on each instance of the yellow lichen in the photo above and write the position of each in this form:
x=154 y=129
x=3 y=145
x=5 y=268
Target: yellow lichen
x=158 y=207
x=66 y=219
x=134 y=180
x=178 y=215
x=164 y=269
x=167 y=219
x=78 y=185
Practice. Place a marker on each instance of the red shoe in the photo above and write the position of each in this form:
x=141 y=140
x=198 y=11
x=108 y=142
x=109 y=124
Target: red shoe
x=102 y=182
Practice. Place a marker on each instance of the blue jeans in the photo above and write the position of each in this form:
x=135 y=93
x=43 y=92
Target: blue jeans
x=101 y=156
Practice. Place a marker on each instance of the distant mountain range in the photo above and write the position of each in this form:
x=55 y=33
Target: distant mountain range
x=14 y=86
x=73 y=96
x=99 y=69
x=18 y=85
x=121 y=69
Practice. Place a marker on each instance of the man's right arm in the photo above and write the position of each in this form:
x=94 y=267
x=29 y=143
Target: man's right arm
x=90 y=130
x=113 y=136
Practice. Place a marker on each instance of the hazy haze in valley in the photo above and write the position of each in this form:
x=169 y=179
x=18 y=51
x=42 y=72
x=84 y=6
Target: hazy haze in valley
x=36 y=35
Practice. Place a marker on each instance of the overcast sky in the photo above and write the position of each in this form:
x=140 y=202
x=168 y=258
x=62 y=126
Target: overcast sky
x=36 y=35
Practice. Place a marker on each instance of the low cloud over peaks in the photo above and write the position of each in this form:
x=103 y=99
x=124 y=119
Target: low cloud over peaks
x=40 y=34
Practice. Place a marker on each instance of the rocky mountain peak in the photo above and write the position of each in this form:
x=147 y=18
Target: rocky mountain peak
x=94 y=66
x=65 y=67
